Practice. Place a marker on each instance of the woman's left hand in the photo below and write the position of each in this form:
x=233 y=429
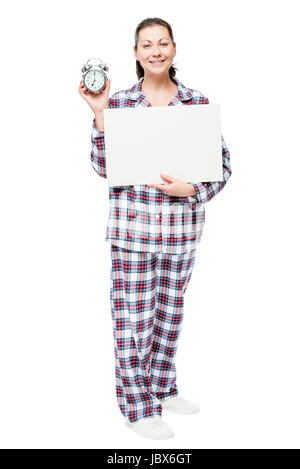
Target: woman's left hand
x=175 y=187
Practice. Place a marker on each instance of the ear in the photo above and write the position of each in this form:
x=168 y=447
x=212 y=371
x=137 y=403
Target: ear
x=134 y=51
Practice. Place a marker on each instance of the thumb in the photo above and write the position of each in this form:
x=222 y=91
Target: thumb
x=108 y=87
x=167 y=178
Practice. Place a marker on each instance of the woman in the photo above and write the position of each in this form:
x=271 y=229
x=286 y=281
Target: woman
x=153 y=230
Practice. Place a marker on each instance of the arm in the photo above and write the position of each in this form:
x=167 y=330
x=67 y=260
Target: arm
x=207 y=190
x=98 y=159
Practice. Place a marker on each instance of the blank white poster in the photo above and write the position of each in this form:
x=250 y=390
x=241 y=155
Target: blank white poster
x=180 y=141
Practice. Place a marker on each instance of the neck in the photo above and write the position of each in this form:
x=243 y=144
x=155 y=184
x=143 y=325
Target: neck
x=155 y=82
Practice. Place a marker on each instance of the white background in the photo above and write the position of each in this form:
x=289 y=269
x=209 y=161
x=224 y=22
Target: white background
x=238 y=354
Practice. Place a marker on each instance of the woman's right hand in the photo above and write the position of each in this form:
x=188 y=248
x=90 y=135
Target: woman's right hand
x=97 y=102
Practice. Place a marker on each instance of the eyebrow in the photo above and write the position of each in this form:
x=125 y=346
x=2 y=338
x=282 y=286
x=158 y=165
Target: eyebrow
x=163 y=38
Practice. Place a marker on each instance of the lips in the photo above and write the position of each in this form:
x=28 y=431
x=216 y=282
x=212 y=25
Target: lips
x=156 y=61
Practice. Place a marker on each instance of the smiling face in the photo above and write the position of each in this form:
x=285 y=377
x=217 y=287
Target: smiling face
x=155 y=50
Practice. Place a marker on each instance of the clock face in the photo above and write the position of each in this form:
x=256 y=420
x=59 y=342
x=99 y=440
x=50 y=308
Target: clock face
x=94 y=80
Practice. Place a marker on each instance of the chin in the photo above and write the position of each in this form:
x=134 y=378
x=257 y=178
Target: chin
x=157 y=72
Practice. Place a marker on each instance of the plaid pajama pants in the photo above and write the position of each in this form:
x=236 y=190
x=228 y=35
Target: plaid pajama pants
x=146 y=295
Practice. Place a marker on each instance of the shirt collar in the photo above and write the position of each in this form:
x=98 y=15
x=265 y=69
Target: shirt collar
x=136 y=91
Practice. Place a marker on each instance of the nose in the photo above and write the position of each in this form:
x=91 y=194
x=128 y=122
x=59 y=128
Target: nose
x=156 y=51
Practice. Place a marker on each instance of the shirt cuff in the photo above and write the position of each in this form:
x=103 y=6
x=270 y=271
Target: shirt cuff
x=199 y=190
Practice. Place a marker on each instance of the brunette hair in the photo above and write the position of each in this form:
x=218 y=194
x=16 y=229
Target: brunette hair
x=151 y=22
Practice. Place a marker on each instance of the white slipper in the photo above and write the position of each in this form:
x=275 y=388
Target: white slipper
x=152 y=427
x=179 y=405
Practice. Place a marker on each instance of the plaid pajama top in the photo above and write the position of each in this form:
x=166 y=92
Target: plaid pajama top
x=146 y=219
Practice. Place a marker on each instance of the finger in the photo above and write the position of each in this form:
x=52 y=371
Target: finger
x=158 y=186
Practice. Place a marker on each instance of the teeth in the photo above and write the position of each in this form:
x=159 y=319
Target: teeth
x=155 y=61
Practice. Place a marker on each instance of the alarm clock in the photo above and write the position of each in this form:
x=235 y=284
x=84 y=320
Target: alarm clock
x=95 y=78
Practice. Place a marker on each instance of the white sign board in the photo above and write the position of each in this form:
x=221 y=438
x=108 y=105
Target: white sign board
x=180 y=141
